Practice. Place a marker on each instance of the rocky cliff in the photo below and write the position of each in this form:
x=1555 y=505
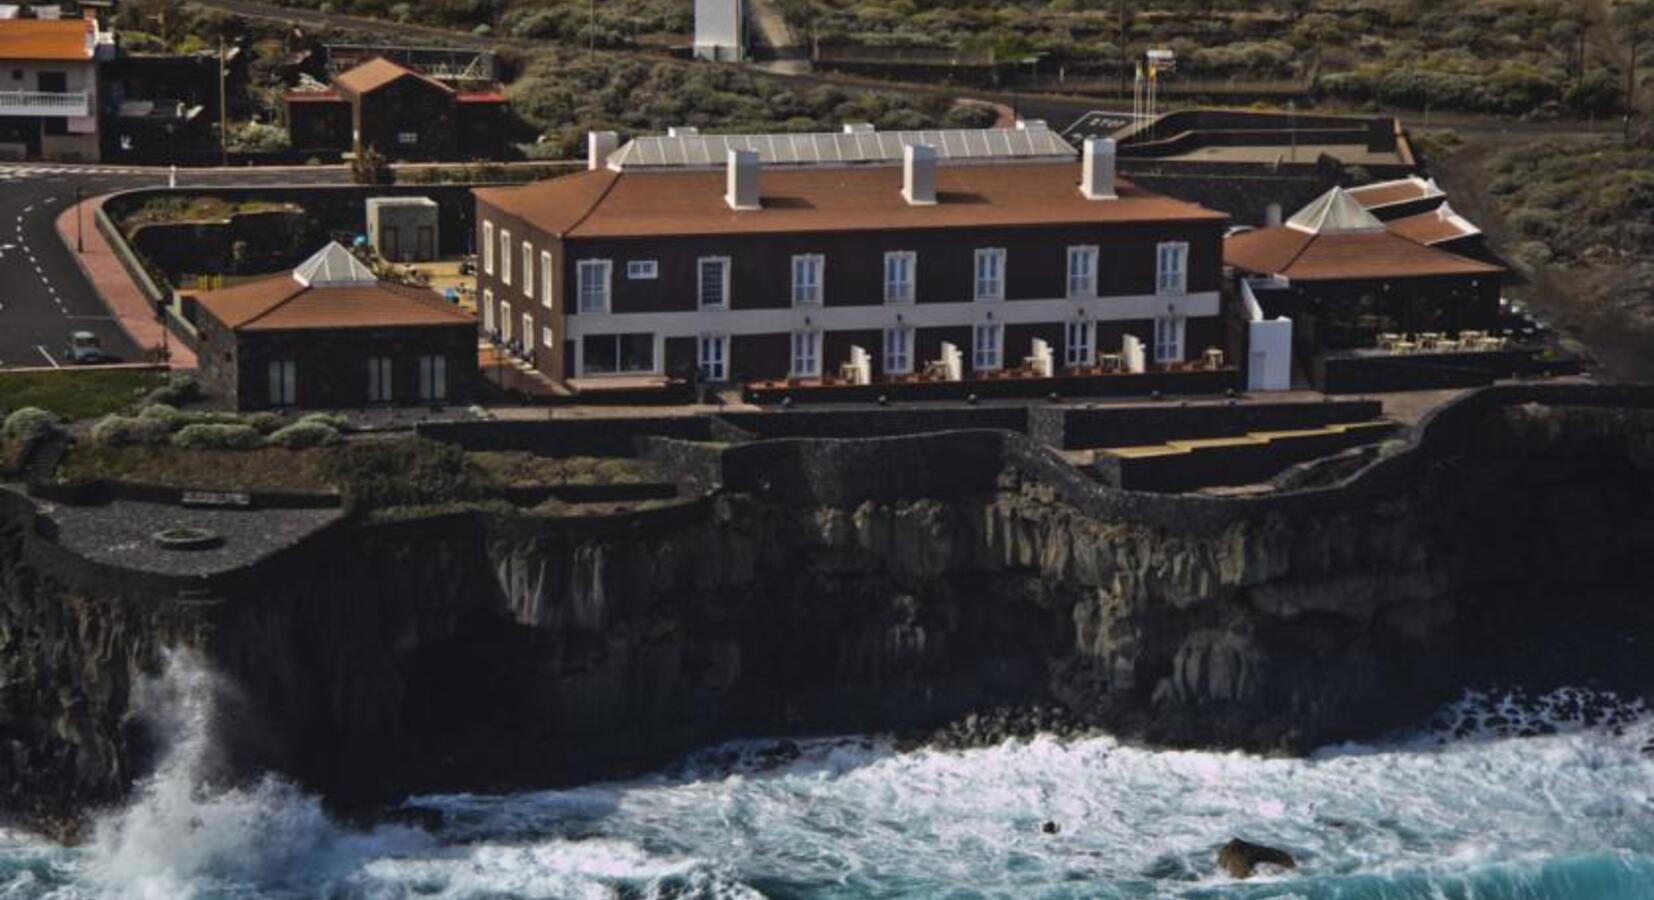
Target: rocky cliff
x=1510 y=544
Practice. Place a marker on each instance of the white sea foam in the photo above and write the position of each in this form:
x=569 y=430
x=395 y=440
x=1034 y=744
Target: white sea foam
x=1487 y=815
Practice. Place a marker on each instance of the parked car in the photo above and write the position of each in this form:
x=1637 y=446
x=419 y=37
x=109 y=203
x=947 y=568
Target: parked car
x=84 y=347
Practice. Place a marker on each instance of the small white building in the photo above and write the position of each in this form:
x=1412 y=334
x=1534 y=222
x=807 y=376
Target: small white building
x=48 y=88
x=721 y=30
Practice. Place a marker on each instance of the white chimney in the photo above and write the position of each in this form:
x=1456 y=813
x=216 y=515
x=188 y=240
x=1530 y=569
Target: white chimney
x=682 y=131
x=858 y=127
x=1272 y=215
x=1097 y=169
x=742 y=180
x=919 y=174
x=1031 y=125
x=599 y=144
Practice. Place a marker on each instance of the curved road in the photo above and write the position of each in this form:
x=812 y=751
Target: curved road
x=43 y=294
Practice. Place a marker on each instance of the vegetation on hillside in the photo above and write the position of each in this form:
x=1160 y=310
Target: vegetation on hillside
x=72 y=394
x=565 y=95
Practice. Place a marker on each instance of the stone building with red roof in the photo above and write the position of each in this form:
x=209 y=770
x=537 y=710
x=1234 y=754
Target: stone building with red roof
x=858 y=257
x=400 y=112
x=331 y=335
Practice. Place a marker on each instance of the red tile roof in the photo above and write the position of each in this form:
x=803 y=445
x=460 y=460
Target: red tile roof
x=1437 y=226
x=375 y=74
x=480 y=97
x=53 y=39
x=1388 y=193
x=1302 y=256
x=604 y=203
x=280 y=303
x=312 y=97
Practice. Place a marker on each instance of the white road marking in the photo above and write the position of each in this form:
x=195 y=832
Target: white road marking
x=48 y=356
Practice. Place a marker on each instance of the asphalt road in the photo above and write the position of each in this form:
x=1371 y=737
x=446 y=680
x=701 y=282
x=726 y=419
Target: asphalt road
x=43 y=294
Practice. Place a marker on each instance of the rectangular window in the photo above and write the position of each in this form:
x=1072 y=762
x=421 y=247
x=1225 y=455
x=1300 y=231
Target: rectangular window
x=433 y=378
x=807 y=270
x=528 y=332
x=899 y=276
x=505 y=256
x=1168 y=339
x=528 y=269
x=488 y=311
x=712 y=282
x=548 y=338
x=806 y=354
x=505 y=322
x=987 y=342
x=284 y=382
x=642 y=269
x=379 y=379
x=1082 y=271
x=1172 y=268
x=488 y=247
x=1080 y=344
x=593 y=278
x=898 y=350
x=407 y=138
x=546 y=280
x=714 y=357
x=990 y=274
x=613 y=354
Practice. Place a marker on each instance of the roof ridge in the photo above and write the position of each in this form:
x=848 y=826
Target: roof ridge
x=273 y=307
x=592 y=208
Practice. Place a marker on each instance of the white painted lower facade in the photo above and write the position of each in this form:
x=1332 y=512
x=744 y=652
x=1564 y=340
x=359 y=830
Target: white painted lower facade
x=726 y=323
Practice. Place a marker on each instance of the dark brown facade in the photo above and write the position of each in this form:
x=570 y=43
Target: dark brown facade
x=408 y=118
x=331 y=367
x=318 y=123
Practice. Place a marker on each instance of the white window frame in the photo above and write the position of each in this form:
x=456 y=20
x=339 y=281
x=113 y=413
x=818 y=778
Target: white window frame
x=407 y=138
x=987 y=356
x=714 y=365
x=547 y=279
x=1171 y=268
x=898 y=350
x=488 y=247
x=1079 y=342
x=528 y=332
x=583 y=281
x=548 y=337
x=806 y=354
x=642 y=269
x=722 y=300
x=906 y=290
x=505 y=256
x=381 y=379
x=528 y=270
x=433 y=378
x=989 y=283
x=1082 y=270
x=505 y=322
x=283 y=382
x=810 y=290
x=488 y=319
x=1168 y=339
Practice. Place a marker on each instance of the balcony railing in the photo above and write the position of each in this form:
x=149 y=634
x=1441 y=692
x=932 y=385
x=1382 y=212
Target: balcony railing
x=45 y=103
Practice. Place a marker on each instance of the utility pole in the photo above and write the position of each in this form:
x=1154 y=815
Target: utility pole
x=223 y=110
x=80 y=220
x=1123 y=57
x=591 y=29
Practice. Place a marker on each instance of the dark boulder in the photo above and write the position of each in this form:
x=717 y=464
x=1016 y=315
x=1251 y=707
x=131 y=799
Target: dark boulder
x=1241 y=858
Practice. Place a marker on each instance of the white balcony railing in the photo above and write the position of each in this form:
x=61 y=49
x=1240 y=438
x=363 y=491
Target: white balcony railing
x=45 y=103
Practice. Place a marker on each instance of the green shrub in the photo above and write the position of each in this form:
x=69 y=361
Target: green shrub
x=180 y=388
x=407 y=472
x=203 y=436
x=29 y=424
x=131 y=431
x=335 y=422
x=264 y=422
x=303 y=435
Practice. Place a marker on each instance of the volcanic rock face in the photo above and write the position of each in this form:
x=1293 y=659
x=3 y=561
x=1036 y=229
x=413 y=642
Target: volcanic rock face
x=482 y=652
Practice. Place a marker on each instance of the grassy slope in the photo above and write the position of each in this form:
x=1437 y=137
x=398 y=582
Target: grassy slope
x=76 y=393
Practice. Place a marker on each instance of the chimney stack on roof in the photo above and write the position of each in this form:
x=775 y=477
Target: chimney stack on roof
x=1097 y=169
x=919 y=174
x=682 y=131
x=742 y=179
x=858 y=127
x=599 y=144
x=1031 y=125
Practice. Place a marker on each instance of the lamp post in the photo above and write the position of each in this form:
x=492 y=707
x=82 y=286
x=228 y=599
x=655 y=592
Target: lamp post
x=80 y=221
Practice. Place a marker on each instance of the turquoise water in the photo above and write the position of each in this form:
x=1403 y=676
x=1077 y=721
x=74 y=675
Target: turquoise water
x=1479 y=817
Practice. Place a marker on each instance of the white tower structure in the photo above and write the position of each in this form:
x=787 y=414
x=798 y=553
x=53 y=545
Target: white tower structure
x=720 y=30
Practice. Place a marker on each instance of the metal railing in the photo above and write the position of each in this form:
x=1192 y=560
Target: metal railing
x=33 y=103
